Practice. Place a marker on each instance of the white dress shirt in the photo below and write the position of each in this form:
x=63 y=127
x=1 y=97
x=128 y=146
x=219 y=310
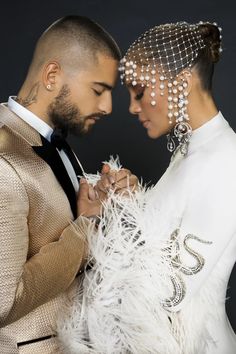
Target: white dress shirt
x=45 y=130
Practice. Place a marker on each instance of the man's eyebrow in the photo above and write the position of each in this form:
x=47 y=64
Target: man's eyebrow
x=103 y=84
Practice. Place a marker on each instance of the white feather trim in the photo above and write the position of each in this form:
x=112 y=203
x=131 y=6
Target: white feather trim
x=119 y=305
x=114 y=164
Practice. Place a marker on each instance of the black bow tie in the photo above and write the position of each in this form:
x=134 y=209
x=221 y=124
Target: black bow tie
x=58 y=140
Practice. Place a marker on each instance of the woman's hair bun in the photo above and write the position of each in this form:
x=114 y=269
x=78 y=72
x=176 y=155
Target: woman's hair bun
x=211 y=35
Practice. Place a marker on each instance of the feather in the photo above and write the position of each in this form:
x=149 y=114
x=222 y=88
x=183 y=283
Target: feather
x=120 y=304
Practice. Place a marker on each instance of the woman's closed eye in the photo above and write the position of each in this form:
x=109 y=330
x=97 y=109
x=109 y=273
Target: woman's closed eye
x=139 y=95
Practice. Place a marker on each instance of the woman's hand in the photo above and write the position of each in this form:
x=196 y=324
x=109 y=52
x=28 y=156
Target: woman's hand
x=120 y=181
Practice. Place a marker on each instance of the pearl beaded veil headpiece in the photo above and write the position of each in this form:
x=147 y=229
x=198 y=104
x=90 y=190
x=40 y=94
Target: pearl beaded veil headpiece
x=168 y=50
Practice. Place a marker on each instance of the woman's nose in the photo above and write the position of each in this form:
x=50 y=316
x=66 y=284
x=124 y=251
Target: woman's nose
x=134 y=107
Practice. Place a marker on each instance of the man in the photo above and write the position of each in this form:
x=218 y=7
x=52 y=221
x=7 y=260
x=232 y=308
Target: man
x=67 y=88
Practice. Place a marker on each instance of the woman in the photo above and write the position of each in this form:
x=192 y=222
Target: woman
x=183 y=231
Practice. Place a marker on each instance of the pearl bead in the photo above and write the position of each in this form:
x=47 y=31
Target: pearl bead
x=162 y=86
x=147 y=78
x=153 y=72
x=176 y=114
x=175 y=91
x=153 y=81
x=153 y=103
x=142 y=78
x=170 y=106
x=170 y=115
x=162 y=78
x=162 y=94
x=152 y=94
x=169 y=84
x=185 y=94
x=175 y=83
x=170 y=99
x=175 y=99
x=185 y=84
x=134 y=83
x=181 y=96
x=180 y=88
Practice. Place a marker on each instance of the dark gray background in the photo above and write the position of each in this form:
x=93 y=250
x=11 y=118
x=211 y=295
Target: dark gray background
x=21 y=23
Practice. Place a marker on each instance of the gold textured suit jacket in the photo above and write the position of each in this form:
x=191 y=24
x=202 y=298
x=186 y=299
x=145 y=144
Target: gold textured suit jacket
x=40 y=249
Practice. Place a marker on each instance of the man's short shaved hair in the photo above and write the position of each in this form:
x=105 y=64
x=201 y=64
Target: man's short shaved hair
x=74 y=40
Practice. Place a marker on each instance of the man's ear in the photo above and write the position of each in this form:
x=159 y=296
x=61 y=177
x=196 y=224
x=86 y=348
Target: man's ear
x=51 y=73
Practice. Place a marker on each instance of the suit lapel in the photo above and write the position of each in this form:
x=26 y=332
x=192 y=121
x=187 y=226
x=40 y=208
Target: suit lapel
x=43 y=149
x=50 y=155
x=18 y=126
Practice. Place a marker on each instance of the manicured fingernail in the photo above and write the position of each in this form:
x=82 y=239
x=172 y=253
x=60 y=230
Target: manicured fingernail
x=112 y=179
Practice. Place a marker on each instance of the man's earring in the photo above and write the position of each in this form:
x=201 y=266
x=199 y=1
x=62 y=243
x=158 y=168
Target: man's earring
x=49 y=87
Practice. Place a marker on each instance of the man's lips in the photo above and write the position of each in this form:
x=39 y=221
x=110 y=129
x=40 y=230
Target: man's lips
x=97 y=117
x=93 y=118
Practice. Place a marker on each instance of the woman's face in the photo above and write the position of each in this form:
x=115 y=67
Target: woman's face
x=154 y=118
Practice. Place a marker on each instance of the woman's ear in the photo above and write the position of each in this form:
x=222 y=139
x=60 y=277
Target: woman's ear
x=186 y=77
x=51 y=74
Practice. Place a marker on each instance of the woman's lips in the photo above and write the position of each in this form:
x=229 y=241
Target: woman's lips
x=145 y=123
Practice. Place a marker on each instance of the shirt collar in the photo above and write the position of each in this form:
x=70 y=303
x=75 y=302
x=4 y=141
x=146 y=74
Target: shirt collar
x=29 y=117
x=207 y=132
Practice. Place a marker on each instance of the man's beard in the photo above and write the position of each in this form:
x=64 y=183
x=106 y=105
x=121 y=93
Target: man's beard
x=65 y=115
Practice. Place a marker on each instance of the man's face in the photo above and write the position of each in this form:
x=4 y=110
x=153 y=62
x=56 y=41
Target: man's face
x=85 y=96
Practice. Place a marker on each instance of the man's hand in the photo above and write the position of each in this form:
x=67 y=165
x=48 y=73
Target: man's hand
x=120 y=181
x=88 y=203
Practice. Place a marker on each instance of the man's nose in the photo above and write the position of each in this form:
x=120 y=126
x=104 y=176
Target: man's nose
x=105 y=104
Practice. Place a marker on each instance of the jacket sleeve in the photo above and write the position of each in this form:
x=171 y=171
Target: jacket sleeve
x=207 y=229
x=27 y=284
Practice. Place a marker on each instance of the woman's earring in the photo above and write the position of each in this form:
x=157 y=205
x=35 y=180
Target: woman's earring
x=170 y=143
x=182 y=129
